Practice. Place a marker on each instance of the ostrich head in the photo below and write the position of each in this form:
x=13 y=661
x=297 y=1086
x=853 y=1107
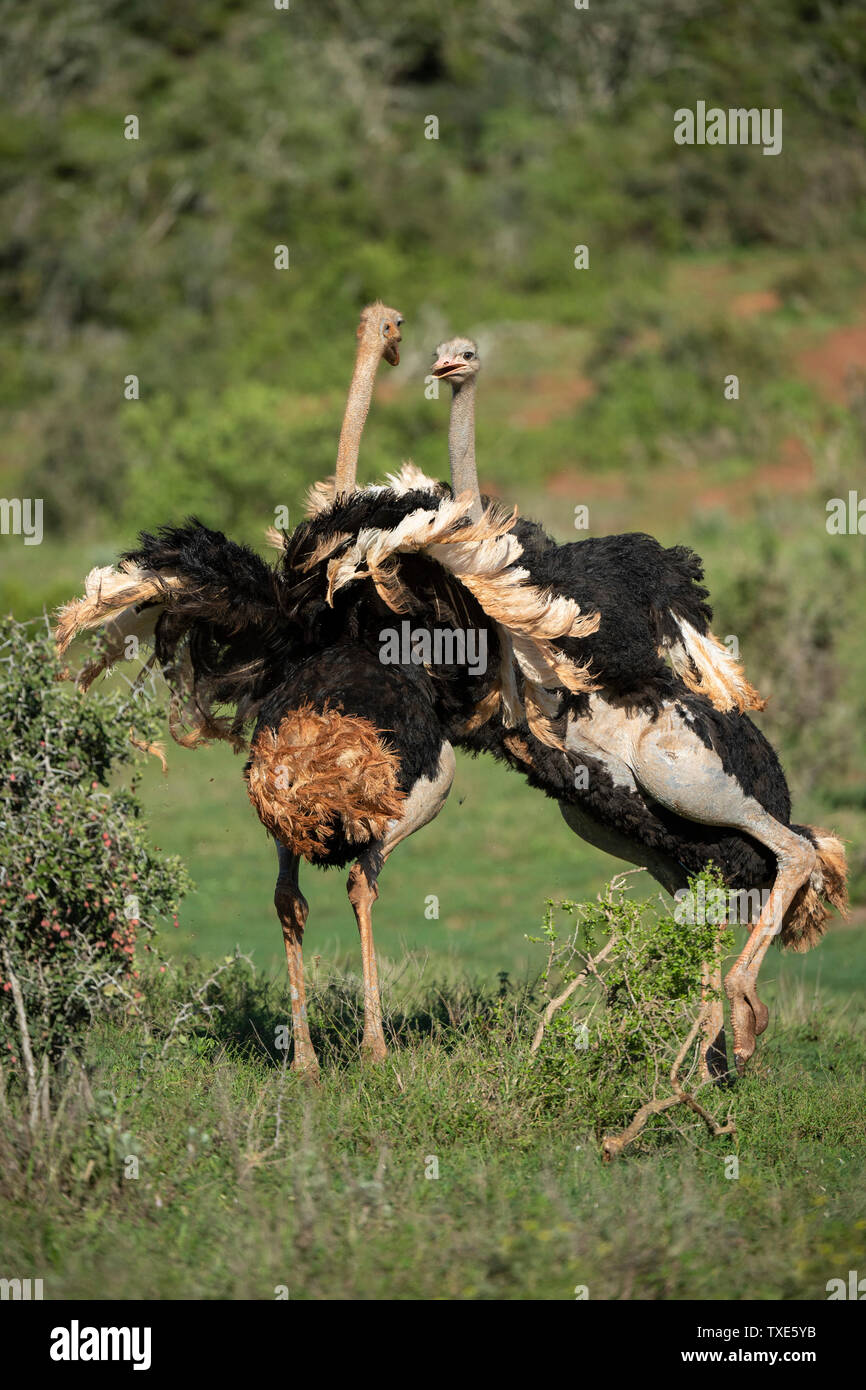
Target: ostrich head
x=379 y=332
x=457 y=361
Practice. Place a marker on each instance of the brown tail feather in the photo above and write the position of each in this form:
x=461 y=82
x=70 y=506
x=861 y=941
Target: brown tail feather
x=806 y=919
x=706 y=666
x=319 y=771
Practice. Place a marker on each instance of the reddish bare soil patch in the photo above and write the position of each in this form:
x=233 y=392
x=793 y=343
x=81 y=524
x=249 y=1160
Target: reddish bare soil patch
x=792 y=474
x=547 y=398
x=748 y=306
x=837 y=366
x=678 y=493
x=795 y=471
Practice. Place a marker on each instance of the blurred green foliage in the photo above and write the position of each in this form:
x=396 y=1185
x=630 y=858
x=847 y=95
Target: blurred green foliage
x=306 y=127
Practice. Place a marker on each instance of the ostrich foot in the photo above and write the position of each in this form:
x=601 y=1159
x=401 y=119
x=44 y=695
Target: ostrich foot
x=749 y=1017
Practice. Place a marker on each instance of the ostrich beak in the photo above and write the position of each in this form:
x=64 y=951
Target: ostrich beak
x=447 y=366
x=391 y=353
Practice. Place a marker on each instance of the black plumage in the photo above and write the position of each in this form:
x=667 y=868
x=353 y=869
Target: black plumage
x=637 y=585
x=397 y=701
x=264 y=639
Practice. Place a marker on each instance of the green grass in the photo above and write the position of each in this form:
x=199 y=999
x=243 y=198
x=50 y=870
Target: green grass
x=494 y=854
x=250 y=1178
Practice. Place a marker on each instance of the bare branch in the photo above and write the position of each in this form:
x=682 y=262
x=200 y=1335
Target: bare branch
x=24 y=1031
x=613 y=1144
x=577 y=982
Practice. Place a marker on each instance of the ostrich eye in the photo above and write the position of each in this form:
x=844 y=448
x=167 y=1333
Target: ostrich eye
x=399 y=323
x=468 y=356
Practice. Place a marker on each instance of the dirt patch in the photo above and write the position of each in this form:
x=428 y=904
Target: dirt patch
x=793 y=473
x=584 y=487
x=545 y=398
x=678 y=493
x=749 y=306
x=837 y=365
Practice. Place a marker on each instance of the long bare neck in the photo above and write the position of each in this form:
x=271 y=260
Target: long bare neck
x=461 y=445
x=357 y=406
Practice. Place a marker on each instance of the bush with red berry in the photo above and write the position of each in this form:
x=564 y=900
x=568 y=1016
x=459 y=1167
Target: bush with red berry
x=81 y=888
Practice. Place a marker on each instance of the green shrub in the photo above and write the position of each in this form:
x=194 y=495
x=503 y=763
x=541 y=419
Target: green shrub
x=225 y=458
x=80 y=888
x=636 y=973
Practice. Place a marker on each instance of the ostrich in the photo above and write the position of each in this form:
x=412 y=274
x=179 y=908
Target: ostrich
x=604 y=727
x=672 y=784
x=191 y=585
x=675 y=783
x=348 y=755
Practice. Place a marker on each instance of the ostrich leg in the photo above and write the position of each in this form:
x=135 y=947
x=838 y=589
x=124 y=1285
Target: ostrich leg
x=422 y=805
x=671 y=763
x=363 y=891
x=292 y=911
x=749 y=1015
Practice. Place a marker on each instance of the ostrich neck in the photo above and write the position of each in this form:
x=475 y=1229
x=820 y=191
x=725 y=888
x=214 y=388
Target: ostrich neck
x=357 y=406
x=461 y=445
